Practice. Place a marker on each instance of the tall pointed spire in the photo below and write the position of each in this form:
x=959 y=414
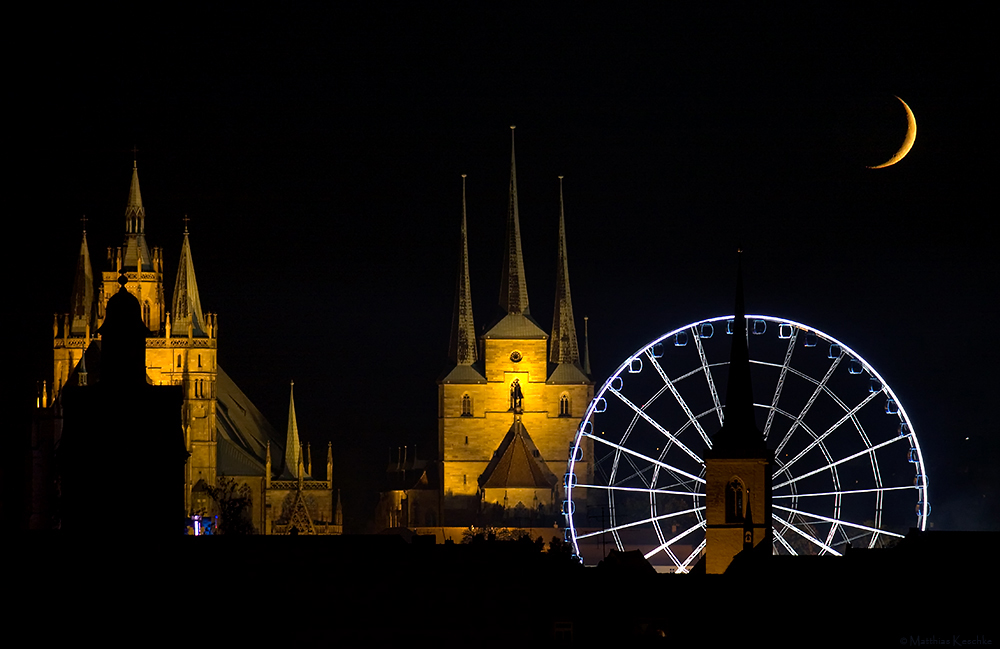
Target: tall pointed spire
x=82 y=301
x=135 y=215
x=187 y=303
x=292 y=463
x=513 y=289
x=739 y=435
x=462 y=349
x=564 y=347
x=136 y=250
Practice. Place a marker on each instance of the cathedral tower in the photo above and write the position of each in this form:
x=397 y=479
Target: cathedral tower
x=507 y=417
x=182 y=352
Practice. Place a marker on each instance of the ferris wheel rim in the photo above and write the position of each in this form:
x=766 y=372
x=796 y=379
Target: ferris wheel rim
x=846 y=352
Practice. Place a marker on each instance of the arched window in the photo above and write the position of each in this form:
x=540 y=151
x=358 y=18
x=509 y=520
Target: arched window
x=564 y=410
x=178 y=360
x=466 y=405
x=145 y=313
x=734 y=501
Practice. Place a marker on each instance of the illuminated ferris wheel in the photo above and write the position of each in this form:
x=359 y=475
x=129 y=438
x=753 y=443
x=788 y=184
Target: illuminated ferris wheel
x=848 y=468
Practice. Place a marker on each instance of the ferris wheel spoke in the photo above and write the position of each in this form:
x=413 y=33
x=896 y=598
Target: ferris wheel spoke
x=809 y=537
x=838 y=462
x=838 y=521
x=781 y=381
x=829 y=430
x=842 y=493
x=706 y=368
x=784 y=543
x=680 y=400
x=641 y=473
x=666 y=544
x=691 y=557
x=661 y=517
x=820 y=387
x=656 y=425
x=668 y=492
x=644 y=457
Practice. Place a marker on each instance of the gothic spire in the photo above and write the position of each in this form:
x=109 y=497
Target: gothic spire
x=82 y=301
x=462 y=349
x=513 y=289
x=135 y=215
x=292 y=463
x=187 y=304
x=564 y=347
x=136 y=250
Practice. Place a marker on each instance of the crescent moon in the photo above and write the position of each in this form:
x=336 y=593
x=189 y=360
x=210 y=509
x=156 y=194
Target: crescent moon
x=911 y=135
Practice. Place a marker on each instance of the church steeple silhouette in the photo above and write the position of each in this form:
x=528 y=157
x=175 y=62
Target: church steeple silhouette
x=738 y=460
x=739 y=435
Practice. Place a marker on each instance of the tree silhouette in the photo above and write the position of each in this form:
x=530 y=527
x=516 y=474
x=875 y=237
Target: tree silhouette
x=233 y=503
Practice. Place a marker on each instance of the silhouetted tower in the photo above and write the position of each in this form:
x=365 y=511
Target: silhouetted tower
x=142 y=418
x=738 y=466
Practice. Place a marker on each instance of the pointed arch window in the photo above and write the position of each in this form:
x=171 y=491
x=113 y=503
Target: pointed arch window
x=145 y=313
x=466 y=405
x=564 y=409
x=178 y=360
x=735 y=497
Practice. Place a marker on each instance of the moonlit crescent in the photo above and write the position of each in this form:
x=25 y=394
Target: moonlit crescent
x=911 y=135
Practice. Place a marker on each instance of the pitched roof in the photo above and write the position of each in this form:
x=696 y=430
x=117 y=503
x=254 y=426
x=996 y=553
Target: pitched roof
x=567 y=373
x=517 y=463
x=464 y=374
x=516 y=325
x=243 y=428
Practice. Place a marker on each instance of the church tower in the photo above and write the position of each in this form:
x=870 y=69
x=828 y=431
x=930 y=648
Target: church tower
x=182 y=352
x=507 y=417
x=738 y=466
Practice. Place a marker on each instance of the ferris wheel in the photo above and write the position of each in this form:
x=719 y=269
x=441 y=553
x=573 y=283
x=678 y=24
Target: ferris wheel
x=848 y=468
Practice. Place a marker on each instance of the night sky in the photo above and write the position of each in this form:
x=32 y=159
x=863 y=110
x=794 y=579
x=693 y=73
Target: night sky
x=319 y=158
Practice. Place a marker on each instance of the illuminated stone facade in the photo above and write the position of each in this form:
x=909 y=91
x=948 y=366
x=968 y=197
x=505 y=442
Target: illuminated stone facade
x=224 y=433
x=510 y=407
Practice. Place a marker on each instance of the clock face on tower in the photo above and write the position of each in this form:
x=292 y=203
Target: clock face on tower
x=515 y=356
